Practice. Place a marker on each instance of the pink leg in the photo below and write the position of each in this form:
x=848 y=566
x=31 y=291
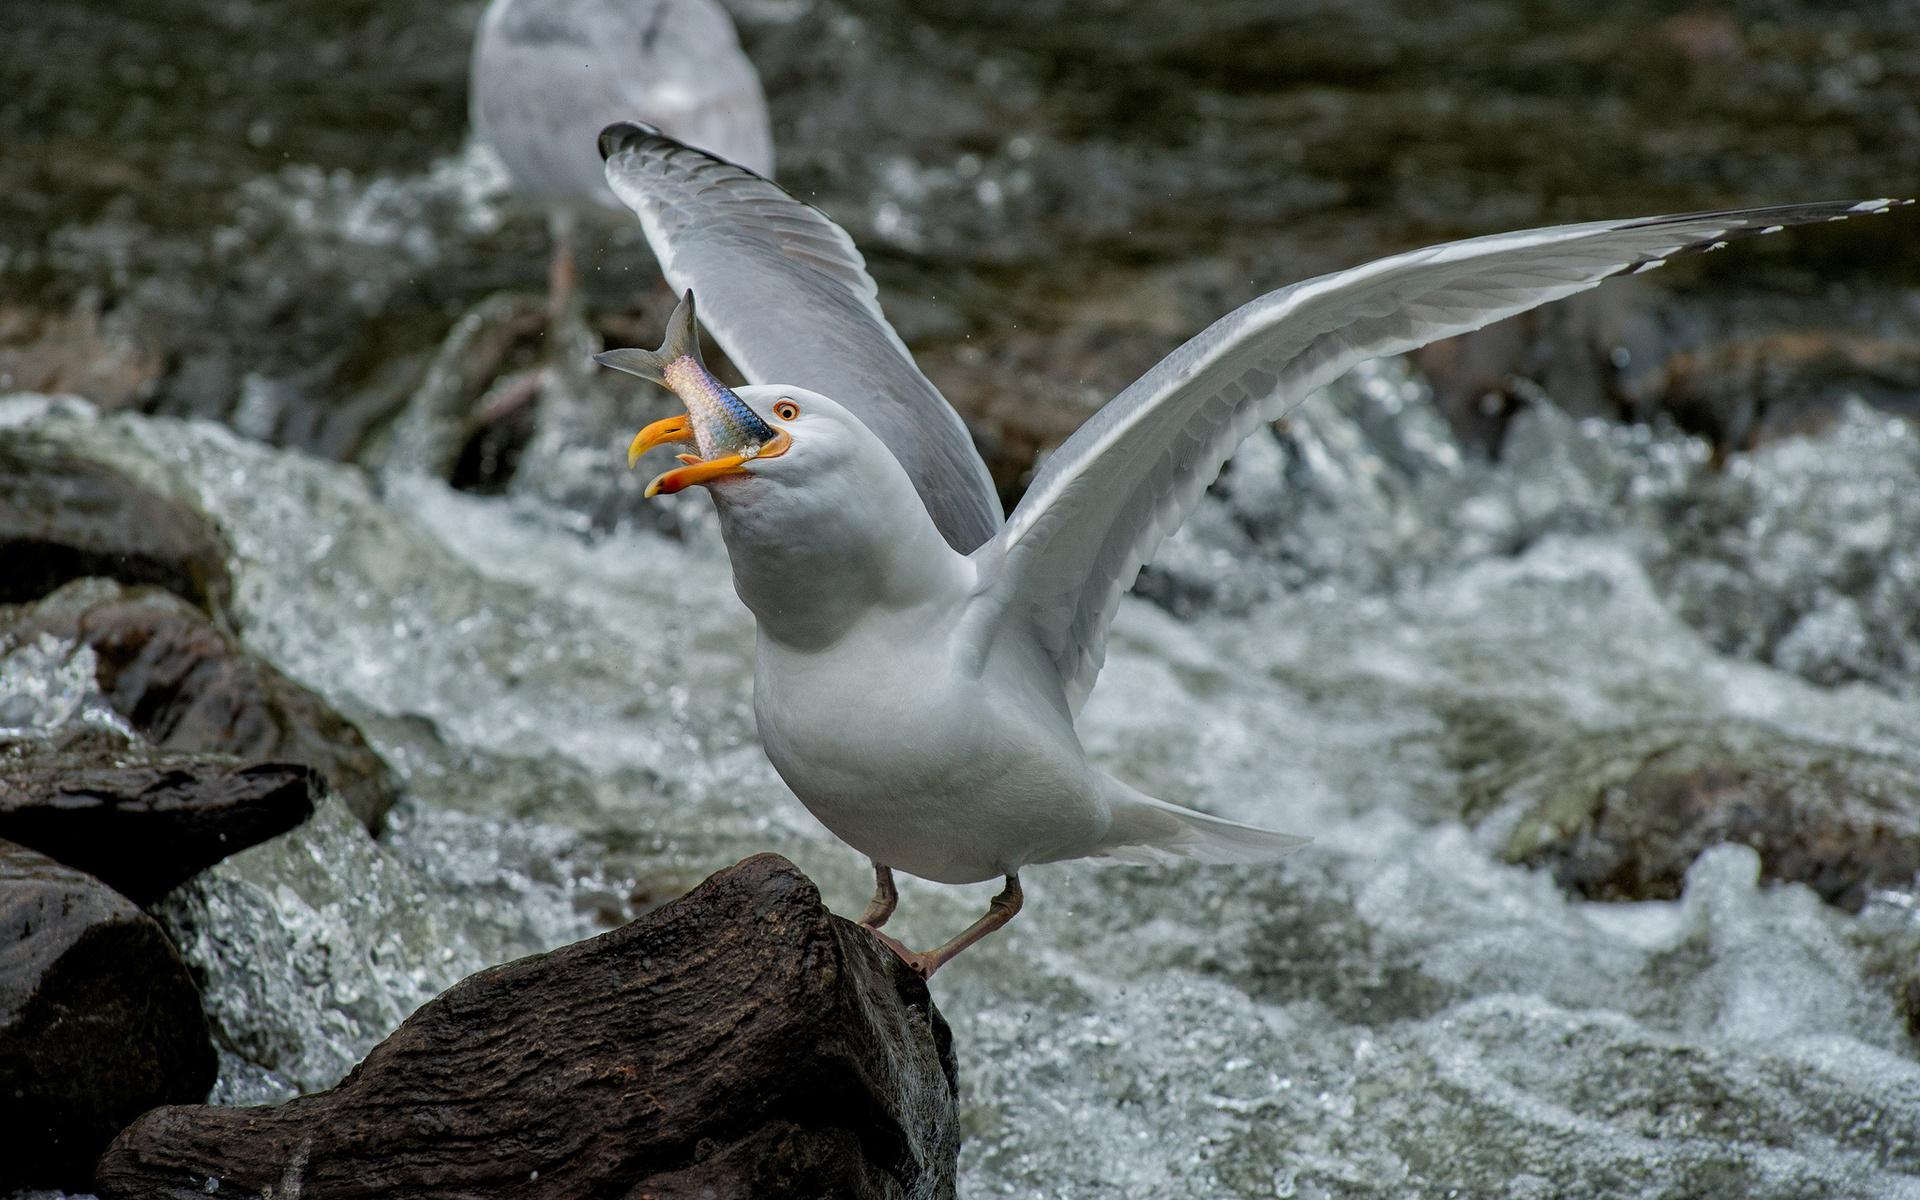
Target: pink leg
x=885 y=898
x=561 y=271
x=1002 y=910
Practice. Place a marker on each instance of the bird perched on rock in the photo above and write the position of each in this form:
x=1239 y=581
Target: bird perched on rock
x=548 y=75
x=919 y=662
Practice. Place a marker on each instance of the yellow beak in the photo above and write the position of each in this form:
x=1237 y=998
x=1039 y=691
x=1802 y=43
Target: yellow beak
x=697 y=471
x=673 y=429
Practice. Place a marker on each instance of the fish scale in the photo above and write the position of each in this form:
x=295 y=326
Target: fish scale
x=722 y=422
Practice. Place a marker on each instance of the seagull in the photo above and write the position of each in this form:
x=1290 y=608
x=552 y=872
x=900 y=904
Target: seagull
x=919 y=662
x=548 y=75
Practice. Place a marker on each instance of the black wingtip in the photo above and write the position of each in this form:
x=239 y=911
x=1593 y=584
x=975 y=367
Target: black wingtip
x=616 y=137
x=632 y=135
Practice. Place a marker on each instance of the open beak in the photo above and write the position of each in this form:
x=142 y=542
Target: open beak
x=726 y=431
x=660 y=433
x=698 y=471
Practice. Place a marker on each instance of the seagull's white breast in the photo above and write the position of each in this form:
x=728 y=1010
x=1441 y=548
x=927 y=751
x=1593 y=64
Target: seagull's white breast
x=896 y=749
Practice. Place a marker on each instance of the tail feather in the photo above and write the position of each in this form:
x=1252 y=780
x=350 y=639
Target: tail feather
x=1146 y=830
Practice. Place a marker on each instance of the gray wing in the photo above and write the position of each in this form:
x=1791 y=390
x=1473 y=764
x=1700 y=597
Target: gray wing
x=1100 y=505
x=788 y=297
x=548 y=75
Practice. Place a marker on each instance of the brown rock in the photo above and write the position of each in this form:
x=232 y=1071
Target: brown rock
x=99 y=1021
x=1630 y=351
x=142 y=821
x=1623 y=817
x=739 y=1042
x=187 y=686
x=46 y=352
x=1749 y=389
x=63 y=517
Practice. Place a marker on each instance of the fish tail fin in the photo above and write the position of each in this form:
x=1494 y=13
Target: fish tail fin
x=683 y=341
x=1146 y=830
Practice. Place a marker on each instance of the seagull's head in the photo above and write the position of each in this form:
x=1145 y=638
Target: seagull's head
x=804 y=450
x=820 y=519
x=786 y=437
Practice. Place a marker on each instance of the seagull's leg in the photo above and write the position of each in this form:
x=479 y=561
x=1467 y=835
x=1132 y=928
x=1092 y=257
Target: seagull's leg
x=1004 y=906
x=560 y=272
x=885 y=898
x=999 y=912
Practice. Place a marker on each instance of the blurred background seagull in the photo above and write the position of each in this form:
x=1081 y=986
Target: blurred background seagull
x=548 y=75
x=919 y=662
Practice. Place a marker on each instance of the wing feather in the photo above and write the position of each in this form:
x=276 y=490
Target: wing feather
x=787 y=295
x=1101 y=504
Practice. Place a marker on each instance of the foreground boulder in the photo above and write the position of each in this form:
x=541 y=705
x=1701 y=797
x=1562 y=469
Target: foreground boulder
x=186 y=685
x=63 y=517
x=99 y=1021
x=739 y=1042
x=146 y=821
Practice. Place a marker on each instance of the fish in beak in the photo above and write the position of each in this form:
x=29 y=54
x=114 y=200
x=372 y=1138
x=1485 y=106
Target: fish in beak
x=725 y=432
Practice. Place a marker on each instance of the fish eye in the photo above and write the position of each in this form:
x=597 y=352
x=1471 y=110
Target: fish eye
x=786 y=410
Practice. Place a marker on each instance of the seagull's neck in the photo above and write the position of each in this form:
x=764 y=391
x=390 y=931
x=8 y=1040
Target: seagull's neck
x=814 y=563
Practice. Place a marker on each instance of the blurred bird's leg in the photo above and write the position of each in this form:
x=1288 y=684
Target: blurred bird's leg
x=561 y=276
x=1004 y=906
x=885 y=898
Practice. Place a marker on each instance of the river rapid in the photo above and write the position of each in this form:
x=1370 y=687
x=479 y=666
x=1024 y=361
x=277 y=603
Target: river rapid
x=1430 y=651
x=1661 y=547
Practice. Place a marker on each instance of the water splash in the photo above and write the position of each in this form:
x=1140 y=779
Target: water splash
x=1395 y=1012
x=312 y=948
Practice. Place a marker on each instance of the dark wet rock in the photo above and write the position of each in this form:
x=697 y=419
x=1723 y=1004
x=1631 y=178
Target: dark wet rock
x=1576 y=352
x=450 y=410
x=1622 y=816
x=143 y=820
x=1891 y=954
x=1745 y=370
x=187 y=686
x=63 y=517
x=1024 y=398
x=99 y=1021
x=1738 y=367
x=740 y=1041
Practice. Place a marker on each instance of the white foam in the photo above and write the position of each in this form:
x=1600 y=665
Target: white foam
x=1393 y=1012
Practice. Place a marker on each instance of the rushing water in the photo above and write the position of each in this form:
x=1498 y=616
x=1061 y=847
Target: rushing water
x=1369 y=632
x=1373 y=624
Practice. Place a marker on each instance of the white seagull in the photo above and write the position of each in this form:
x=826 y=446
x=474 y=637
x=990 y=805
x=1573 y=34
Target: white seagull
x=919 y=662
x=548 y=75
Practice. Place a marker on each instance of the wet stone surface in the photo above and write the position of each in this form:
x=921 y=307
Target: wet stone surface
x=1621 y=817
x=186 y=686
x=146 y=821
x=739 y=1041
x=99 y=1021
x=64 y=518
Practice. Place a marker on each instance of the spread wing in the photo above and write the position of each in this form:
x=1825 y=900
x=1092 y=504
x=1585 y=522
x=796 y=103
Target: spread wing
x=1100 y=505
x=788 y=297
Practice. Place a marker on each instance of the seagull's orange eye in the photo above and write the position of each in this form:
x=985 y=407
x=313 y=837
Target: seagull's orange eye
x=786 y=410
